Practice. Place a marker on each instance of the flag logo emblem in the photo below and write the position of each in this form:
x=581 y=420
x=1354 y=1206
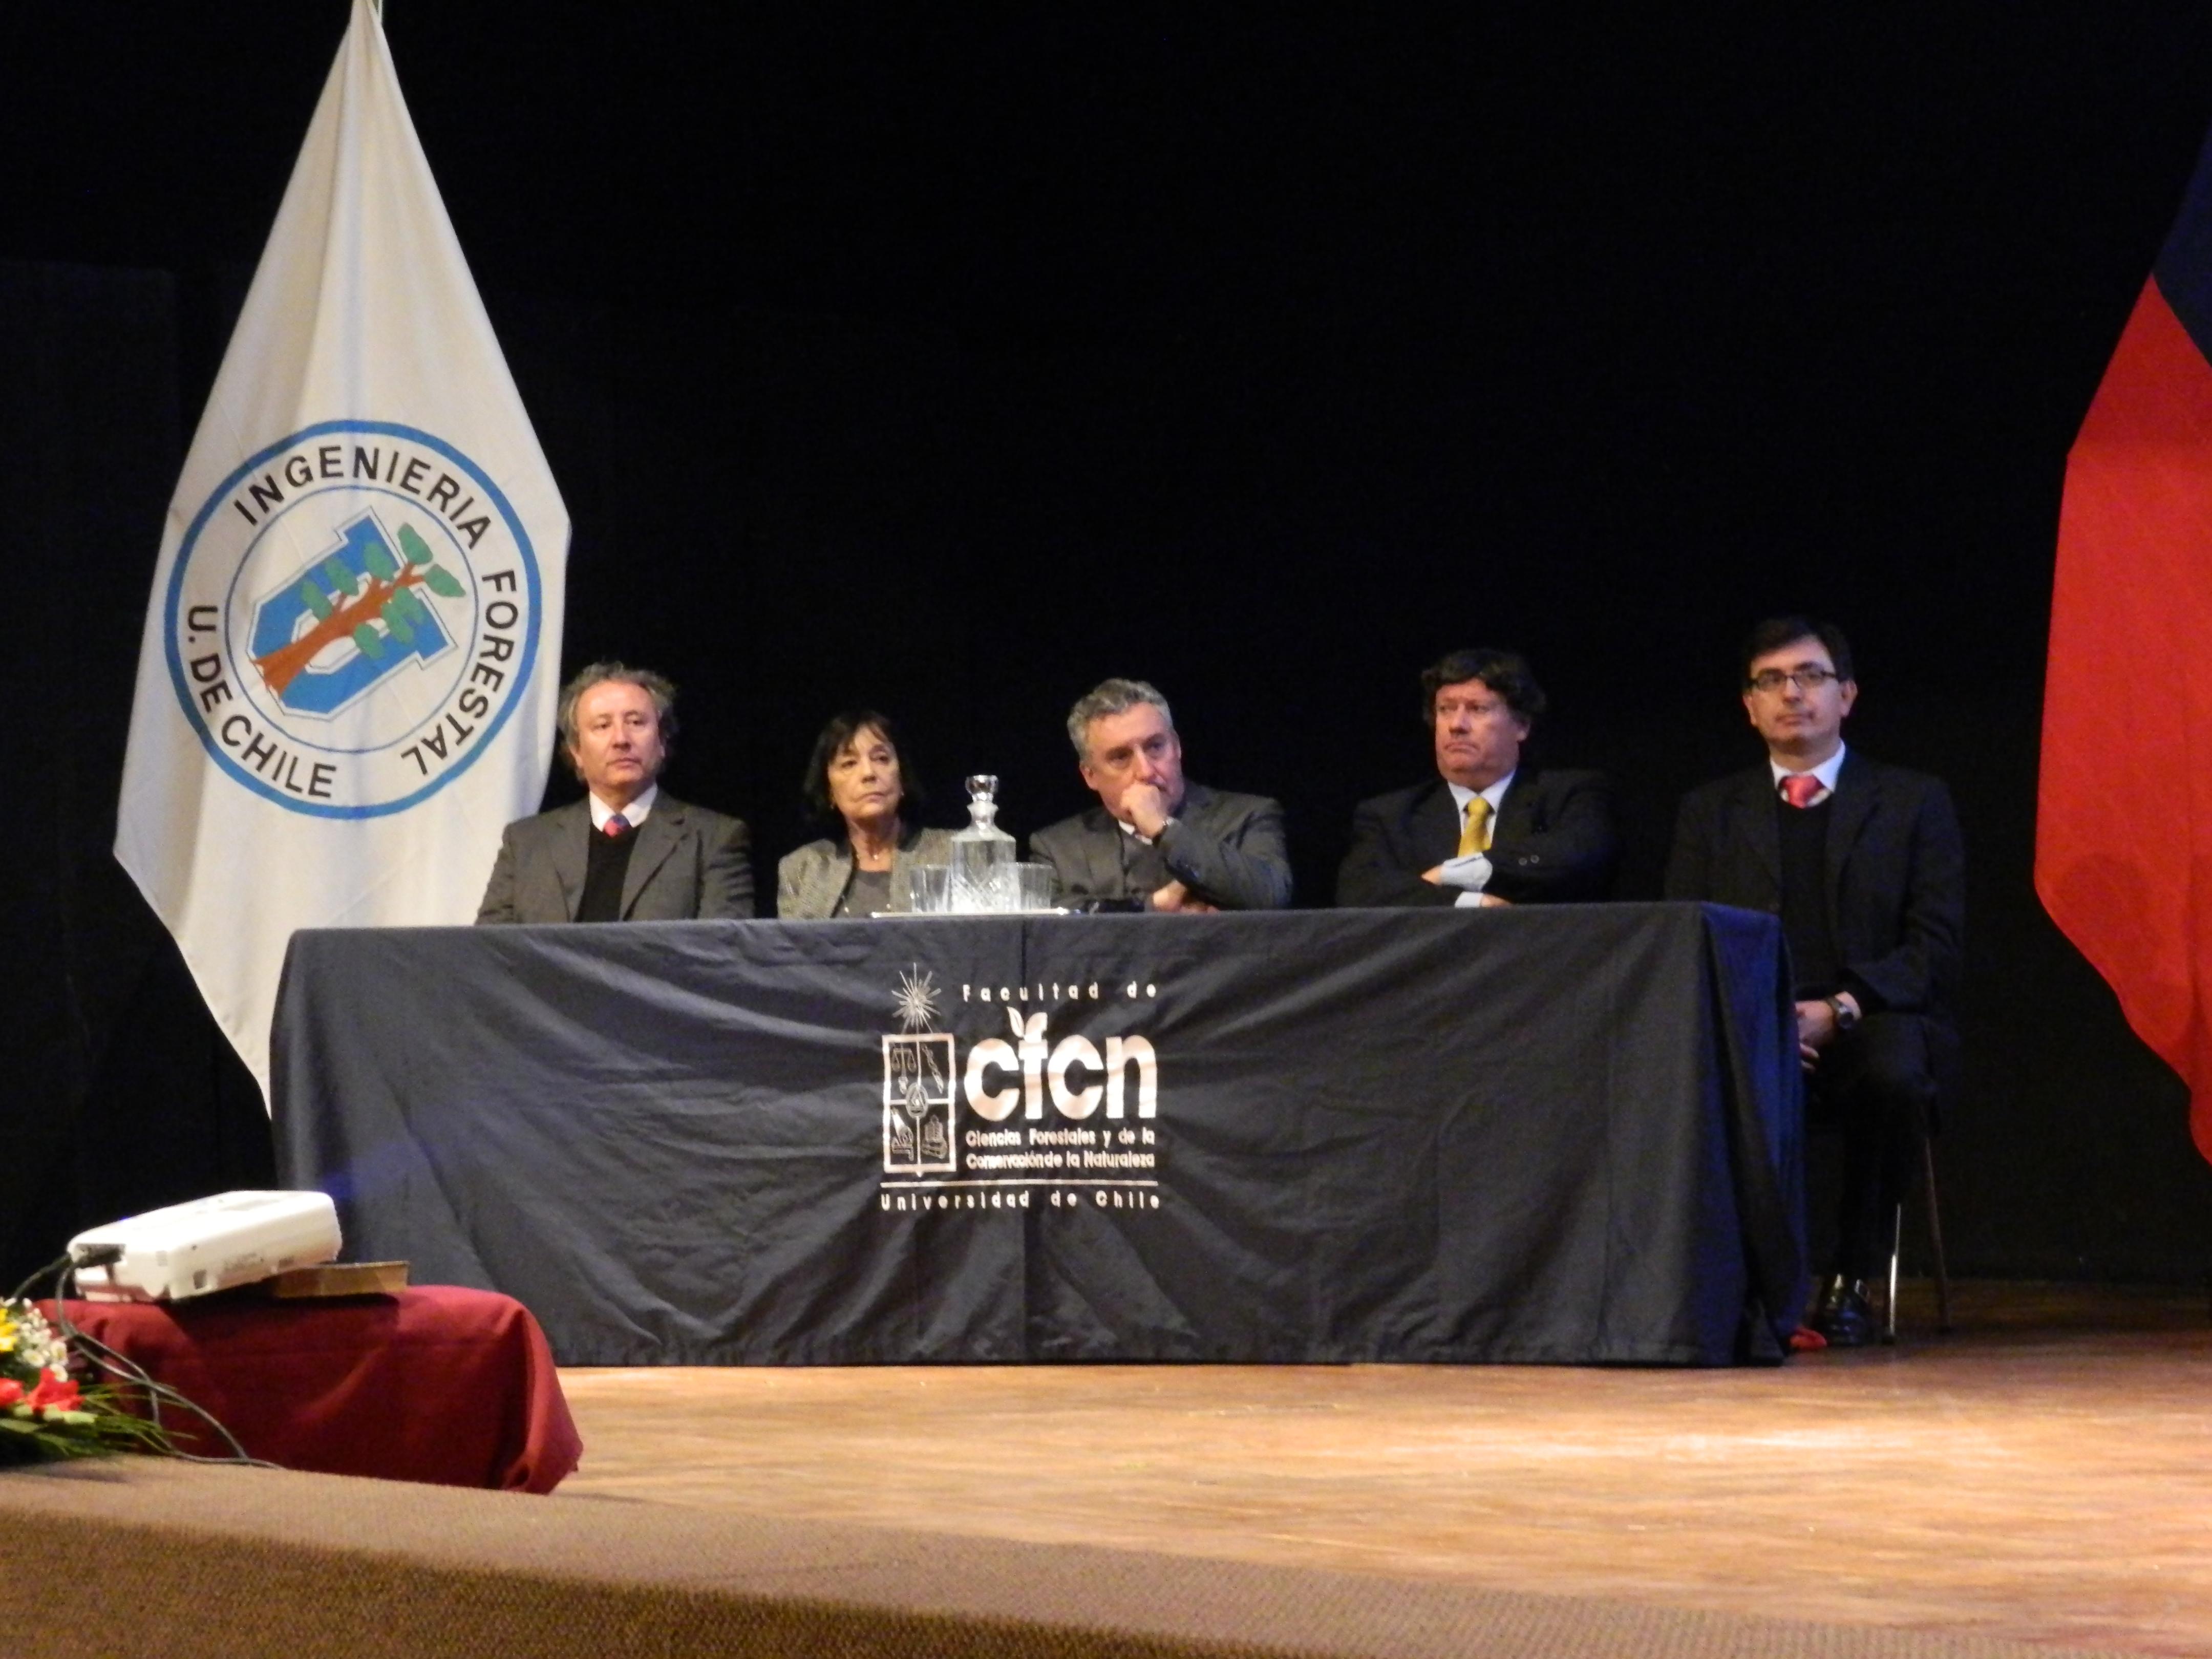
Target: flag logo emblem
x=351 y=616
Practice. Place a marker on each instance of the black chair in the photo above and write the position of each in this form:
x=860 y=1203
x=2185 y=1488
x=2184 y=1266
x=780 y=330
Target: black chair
x=1947 y=1058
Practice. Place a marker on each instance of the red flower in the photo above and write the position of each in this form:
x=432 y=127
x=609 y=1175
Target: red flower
x=10 y=1390
x=56 y=1390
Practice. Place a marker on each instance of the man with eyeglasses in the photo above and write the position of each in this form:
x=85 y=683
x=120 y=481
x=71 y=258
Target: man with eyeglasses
x=1492 y=827
x=1863 y=864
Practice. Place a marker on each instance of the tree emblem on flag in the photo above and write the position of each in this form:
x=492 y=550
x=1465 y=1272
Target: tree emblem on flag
x=343 y=598
x=351 y=618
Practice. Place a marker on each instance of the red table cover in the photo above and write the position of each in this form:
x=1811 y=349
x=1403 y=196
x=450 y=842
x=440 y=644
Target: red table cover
x=437 y=1384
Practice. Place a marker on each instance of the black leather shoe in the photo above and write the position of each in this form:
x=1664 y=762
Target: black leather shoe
x=1845 y=1316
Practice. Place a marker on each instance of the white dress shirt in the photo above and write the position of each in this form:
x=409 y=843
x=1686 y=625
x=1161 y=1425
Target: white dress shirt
x=632 y=815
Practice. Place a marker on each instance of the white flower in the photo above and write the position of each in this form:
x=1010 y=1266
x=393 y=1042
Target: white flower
x=36 y=1343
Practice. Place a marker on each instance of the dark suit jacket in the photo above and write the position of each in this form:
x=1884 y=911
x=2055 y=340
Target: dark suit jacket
x=1554 y=842
x=1228 y=849
x=1896 y=873
x=689 y=863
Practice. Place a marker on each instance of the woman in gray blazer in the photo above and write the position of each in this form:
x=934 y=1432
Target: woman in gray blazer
x=856 y=781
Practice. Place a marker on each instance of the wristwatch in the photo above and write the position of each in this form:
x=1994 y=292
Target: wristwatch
x=1846 y=1016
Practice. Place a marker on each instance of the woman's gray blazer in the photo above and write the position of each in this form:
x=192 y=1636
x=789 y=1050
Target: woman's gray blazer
x=810 y=879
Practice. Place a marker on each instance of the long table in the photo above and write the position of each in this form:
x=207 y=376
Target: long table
x=1571 y=1134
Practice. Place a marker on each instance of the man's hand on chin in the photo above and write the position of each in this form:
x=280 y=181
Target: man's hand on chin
x=1147 y=809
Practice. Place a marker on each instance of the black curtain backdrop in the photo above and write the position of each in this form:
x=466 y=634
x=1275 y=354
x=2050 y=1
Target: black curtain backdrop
x=952 y=366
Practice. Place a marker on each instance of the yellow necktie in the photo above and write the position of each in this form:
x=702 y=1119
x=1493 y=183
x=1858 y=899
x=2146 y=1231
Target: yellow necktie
x=1475 y=836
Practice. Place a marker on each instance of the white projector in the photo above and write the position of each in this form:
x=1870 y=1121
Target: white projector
x=207 y=1245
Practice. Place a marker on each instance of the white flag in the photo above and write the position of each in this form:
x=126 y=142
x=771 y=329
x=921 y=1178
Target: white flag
x=347 y=681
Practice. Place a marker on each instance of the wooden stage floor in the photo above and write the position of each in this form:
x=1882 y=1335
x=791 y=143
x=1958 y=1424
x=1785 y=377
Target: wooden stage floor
x=2042 y=1474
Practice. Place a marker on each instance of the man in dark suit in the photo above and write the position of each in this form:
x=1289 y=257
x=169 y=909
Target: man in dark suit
x=1864 y=864
x=1153 y=838
x=1493 y=827
x=627 y=852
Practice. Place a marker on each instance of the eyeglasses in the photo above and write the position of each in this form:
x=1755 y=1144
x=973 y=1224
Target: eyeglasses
x=1811 y=677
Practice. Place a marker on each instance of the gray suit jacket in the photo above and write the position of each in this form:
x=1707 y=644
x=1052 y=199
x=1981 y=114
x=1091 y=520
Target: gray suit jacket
x=689 y=865
x=1228 y=849
x=810 y=879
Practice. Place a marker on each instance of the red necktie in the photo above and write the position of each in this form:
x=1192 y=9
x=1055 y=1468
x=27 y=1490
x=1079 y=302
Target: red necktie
x=1799 y=789
x=616 y=825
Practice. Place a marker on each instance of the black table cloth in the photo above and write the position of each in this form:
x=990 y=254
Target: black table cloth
x=1559 y=1135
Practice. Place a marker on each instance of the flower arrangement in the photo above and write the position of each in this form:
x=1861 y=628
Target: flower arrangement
x=43 y=1411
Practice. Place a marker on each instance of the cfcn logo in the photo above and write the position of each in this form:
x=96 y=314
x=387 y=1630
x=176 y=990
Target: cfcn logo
x=1058 y=1070
x=349 y=617
x=924 y=1085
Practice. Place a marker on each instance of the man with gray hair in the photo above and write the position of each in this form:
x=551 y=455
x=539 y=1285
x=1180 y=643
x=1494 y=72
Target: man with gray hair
x=626 y=852
x=1154 y=841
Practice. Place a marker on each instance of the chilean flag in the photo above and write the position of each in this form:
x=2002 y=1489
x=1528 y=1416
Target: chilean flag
x=2123 y=826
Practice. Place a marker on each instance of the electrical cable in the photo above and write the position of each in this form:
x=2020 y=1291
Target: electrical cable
x=122 y=1367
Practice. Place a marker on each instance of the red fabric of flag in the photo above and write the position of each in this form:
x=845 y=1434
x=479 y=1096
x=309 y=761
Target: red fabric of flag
x=2123 y=828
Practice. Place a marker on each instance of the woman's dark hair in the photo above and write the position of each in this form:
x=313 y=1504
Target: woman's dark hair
x=814 y=788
